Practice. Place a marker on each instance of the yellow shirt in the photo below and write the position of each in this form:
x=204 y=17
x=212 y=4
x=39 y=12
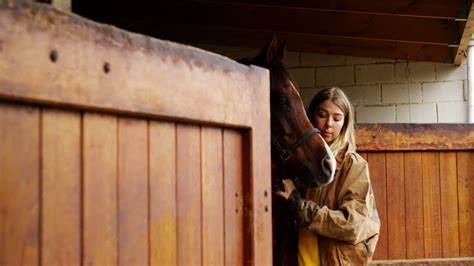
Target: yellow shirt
x=308 y=250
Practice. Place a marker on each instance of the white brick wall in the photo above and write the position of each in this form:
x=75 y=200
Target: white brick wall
x=375 y=114
x=449 y=112
x=375 y=73
x=341 y=75
x=398 y=93
x=378 y=88
x=443 y=91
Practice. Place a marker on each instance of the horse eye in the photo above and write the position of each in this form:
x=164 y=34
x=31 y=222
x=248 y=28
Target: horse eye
x=284 y=101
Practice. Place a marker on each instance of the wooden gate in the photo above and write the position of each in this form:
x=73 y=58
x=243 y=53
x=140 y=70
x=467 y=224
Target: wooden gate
x=116 y=148
x=423 y=180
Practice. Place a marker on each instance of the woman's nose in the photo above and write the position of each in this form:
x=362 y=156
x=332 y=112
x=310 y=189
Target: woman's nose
x=329 y=122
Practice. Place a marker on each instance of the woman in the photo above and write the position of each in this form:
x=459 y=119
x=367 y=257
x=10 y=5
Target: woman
x=341 y=217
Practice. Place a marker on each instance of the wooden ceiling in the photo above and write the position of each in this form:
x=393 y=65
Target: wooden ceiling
x=418 y=30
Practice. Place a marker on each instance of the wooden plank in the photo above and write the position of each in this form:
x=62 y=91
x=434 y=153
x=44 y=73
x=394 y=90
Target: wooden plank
x=163 y=229
x=378 y=172
x=396 y=209
x=188 y=198
x=405 y=137
x=257 y=183
x=133 y=191
x=465 y=163
x=435 y=261
x=413 y=204
x=300 y=42
x=431 y=204
x=449 y=207
x=100 y=200
x=426 y=8
x=155 y=65
x=61 y=188
x=466 y=33
x=212 y=196
x=298 y=20
x=20 y=185
x=233 y=197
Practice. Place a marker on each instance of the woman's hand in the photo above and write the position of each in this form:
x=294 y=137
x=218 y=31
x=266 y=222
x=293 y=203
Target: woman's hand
x=288 y=186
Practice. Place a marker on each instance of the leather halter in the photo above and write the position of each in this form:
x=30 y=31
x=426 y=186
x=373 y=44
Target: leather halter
x=285 y=154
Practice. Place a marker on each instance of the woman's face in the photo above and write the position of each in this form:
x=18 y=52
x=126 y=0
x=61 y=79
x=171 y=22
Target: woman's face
x=329 y=119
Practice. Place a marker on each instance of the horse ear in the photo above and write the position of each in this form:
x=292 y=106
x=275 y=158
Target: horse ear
x=280 y=53
x=267 y=54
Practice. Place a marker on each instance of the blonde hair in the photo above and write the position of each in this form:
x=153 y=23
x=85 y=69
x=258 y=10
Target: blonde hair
x=339 y=98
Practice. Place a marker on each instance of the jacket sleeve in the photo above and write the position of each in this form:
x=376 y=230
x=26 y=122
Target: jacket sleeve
x=355 y=218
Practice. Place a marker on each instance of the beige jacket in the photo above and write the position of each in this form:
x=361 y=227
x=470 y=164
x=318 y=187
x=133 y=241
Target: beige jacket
x=347 y=222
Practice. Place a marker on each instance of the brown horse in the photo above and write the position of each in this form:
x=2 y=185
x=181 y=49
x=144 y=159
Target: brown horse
x=298 y=150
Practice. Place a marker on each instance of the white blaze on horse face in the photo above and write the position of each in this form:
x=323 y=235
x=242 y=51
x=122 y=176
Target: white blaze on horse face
x=328 y=164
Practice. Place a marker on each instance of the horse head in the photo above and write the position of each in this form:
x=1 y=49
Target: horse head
x=296 y=145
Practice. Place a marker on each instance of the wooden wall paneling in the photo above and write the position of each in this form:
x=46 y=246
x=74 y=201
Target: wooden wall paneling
x=413 y=204
x=61 y=188
x=449 y=204
x=163 y=228
x=133 y=191
x=411 y=137
x=100 y=199
x=212 y=196
x=233 y=197
x=364 y=155
x=396 y=208
x=188 y=194
x=431 y=204
x=378 y=172
x=20 y=185
x=465 y=166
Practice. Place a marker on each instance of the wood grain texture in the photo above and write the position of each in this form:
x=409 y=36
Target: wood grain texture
x=133 y=191
x=354 y=30
x=163 y=227
x=413 y=204
x=100 y=200
x=233 y=197
x=449 y=207
x=396 y=207
x=212 y=187
x=465 y=165
x=189 y=196
x=378 y=177
x=61 y=188
x=297 y=20
x=431 y=205
x=146 y=79
x=257 y=181
x=84 y=47
x=406 y=137
x=20 y=185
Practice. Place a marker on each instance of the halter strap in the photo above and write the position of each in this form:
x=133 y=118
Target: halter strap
x=285 y=154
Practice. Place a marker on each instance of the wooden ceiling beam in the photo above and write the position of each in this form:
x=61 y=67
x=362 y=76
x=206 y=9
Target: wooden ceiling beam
x=280 y=19
x=192 y=34
x=461 y=51
x=424 y=8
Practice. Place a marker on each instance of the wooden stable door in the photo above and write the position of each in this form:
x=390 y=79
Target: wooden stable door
x=119 y=190
x=119 y=149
